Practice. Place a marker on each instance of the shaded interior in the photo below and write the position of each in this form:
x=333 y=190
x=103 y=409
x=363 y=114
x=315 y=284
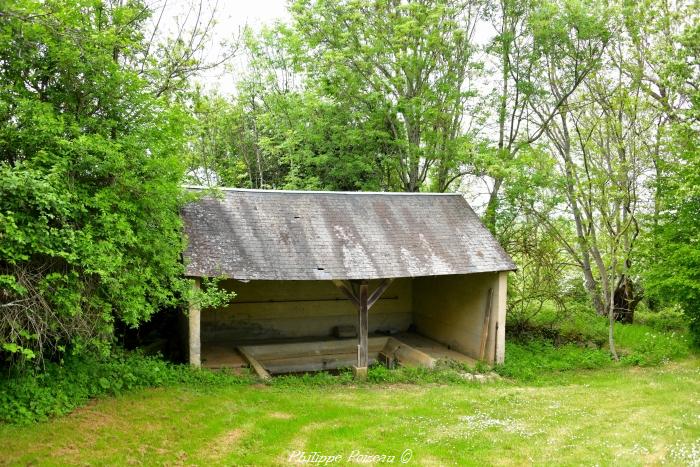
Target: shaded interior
x=291 y=326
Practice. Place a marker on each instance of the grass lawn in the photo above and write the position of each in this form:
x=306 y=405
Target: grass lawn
x=621 y=416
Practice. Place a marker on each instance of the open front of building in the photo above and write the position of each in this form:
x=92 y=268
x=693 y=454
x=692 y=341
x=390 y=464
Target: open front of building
x=334 y=280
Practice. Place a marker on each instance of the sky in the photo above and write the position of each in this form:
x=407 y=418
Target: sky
x=231 y=16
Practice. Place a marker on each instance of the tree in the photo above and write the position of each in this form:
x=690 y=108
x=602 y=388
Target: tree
x=673 y=274
x=544 y=51
x=278 y=132
x=402 y=70
x=89 y=177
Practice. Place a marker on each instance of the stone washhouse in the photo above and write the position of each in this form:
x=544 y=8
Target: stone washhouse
x=329 y=280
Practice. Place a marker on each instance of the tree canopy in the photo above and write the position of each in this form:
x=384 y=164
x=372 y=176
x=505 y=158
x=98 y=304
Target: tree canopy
x=90 y=173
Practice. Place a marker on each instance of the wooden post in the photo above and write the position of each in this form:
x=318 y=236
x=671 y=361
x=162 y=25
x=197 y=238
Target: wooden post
x=358 y=293
x=195 y=344
x=487 y=322
x=362 y=328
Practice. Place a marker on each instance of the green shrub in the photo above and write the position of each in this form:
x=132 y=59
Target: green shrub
x=60 y=389
x=89 y=194
x=581 y=343
x=318 y=379
x=667 y=319
x=577 y=324
x=441 y=374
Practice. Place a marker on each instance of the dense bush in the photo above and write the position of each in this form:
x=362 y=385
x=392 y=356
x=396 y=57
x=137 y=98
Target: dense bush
x=574 y=324
x=60 y=389
x=90 y=173
x=673 y=272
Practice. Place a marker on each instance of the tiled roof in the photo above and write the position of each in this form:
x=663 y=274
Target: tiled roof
x=288 y=235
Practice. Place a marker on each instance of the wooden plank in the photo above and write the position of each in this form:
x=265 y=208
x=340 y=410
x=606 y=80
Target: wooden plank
x=220 y=355
x=363 y=327
x=293 y=365
x=407 y=355
x=254 y=364
x=500 y=311
x=303 y=366
x=266 y=352
x=485 y=328
x=348 y=355
x=381 y=288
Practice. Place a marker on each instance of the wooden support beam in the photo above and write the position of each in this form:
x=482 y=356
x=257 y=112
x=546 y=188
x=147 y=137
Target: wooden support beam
x=363 y=327
x=347 y=289
x=487 y=321
x=254 y=364
x=265 y=353
x=358 y=293
x=381 y=288
x=194 y=336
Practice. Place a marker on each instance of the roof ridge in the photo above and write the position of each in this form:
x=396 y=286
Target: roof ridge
x=259 y=190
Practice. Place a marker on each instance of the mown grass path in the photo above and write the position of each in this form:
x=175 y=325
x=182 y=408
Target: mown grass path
x=620 y=416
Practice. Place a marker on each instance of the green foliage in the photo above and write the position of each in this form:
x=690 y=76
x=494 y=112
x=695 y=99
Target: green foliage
x=666 y=319
x=444 y=373
x=378 y=107
x=644 y=346
x=416 y=375
x=673 y=274
x=90 y=170
x=400 y=70
x=210 y=294
x=59 y=389
x=317 y=379
x=535 y=358
x=270 y=138
x=554 y=341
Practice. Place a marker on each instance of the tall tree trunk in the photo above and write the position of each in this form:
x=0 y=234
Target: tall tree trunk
x=611 y=315
x=592 y=287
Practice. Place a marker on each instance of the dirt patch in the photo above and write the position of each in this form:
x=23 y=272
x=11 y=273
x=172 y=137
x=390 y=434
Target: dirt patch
x=91 y=417
x=223 y=444
x=68 y=451
x=280 y=415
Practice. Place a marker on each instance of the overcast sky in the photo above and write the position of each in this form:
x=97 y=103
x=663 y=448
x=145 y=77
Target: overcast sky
x=231 y=17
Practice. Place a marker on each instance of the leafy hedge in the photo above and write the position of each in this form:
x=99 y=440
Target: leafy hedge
x=90 y=173
x=62 y=388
